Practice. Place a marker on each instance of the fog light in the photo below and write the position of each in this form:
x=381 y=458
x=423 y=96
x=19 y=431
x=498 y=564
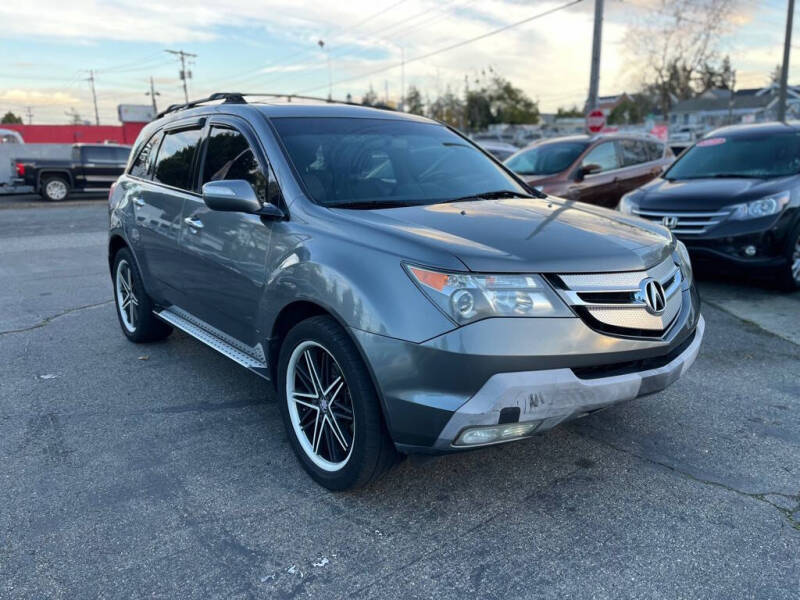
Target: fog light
x=750 y=250
x=476 y=436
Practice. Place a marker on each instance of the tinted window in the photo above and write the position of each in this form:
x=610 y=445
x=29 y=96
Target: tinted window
x=346 y=160
x=546 y=159
x=655 y=150
x=634 y=152
x=110 y=154
x=141 y=166
x=756 y=155
x=604 y=154
x=175 y=156
x=229 y=156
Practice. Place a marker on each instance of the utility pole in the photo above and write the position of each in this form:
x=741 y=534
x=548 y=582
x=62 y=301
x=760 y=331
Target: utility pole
x=402 y=79
x=29 y=113
x=732 y=90
x=787 y=45
x=153 y=93
x=184 y=74
x=594 y=79
x=94 y=98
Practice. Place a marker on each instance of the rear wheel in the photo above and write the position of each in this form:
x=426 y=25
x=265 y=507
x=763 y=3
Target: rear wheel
x=134 y=307
x=55 y=188
x=330 y=407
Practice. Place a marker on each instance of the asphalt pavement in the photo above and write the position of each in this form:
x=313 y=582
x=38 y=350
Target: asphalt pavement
x=163 y=470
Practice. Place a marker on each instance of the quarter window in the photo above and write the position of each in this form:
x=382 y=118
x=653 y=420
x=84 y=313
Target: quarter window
x=604 y=155
x=141 y=166
x=229 y=156
x=175 y=156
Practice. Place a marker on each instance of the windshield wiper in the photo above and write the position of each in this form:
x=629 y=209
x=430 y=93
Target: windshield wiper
x=495 y=195
x=360 y=204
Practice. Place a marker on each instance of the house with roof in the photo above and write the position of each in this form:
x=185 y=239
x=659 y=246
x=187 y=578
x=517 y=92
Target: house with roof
x=718 y=107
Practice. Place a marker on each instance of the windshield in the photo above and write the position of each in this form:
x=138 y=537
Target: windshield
x=386 y=161
x=546 y=159
x=762 y=155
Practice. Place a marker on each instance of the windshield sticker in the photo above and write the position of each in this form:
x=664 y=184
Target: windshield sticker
x=711 y=142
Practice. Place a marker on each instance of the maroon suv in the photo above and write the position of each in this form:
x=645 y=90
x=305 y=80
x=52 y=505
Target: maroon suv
x=595 y=169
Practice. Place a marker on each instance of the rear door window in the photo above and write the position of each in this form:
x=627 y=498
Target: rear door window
x=105 y=155
x=655 y=150
x=176 y=157
x=229 y=156
x=634 y=152
x=604 y=155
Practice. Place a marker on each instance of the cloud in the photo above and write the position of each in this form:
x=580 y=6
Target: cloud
x=37 y=98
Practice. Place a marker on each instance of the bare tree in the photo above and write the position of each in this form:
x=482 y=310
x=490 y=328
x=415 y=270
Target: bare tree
x=674 y=44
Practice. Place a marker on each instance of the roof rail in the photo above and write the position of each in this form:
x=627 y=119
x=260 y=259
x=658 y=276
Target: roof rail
x=239 y=98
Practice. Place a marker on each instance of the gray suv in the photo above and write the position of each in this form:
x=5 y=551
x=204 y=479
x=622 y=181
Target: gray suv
x=402 y=289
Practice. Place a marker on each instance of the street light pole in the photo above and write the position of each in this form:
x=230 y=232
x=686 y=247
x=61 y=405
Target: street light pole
x=787 y=44
x=594 y=78
x=321 y=44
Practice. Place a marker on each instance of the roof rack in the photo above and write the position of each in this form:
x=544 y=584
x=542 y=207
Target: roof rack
x=239 y=98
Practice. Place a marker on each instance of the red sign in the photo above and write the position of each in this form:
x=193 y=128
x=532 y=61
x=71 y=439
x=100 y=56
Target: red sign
x=595 y=121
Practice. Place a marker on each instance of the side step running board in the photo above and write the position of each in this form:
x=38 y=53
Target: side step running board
x=251 y=358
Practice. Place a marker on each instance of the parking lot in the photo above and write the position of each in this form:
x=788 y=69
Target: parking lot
x=163 y=470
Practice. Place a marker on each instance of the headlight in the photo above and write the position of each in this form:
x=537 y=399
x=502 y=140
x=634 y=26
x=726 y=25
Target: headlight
x=685 y=261
x=467 y=297
x=625 y=205
x=763 y=207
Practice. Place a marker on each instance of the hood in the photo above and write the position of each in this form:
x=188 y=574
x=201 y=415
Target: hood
x=526 y=235
x=711 y=194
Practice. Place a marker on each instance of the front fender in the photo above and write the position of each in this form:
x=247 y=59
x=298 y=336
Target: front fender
x=364 y=288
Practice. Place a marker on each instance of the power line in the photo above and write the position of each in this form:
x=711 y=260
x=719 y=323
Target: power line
x=245 y=75
x=453 y=46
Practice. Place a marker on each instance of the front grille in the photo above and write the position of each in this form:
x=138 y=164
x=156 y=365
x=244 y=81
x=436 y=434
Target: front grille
x=684 y=222
x=633 y=366
x=614 y=303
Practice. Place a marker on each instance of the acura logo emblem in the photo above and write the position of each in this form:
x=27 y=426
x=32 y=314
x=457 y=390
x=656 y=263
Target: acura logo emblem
x=670 y=222
x=652 y=294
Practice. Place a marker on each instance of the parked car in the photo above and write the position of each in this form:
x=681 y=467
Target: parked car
x=500 y=150
x=403 y=291
x=596 y=169
x=91 y=168
x=733 y=197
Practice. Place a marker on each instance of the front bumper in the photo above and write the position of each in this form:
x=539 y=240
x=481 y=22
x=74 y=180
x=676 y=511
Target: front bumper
x=553 y=396
x=427 y=388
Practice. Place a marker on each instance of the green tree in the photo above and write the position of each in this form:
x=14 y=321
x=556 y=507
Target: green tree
x=413 y=101
x=568 y=113
x=448 y=108
x=11 y=119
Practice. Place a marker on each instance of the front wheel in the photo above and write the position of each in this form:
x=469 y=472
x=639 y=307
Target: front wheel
x=790 y=279
x=330 y=407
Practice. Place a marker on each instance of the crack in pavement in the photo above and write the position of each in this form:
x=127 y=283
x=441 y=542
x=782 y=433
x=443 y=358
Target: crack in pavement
x=792 y=515
x=51 y=318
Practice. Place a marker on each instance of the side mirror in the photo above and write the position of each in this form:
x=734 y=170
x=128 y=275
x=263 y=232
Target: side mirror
x=237 y=195
x=585 y=170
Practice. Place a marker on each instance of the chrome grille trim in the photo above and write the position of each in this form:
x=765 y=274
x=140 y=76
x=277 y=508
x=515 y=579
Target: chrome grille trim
x=630 y=314
x=688 y=222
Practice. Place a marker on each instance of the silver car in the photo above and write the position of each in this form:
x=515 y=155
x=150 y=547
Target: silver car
x=402 y=290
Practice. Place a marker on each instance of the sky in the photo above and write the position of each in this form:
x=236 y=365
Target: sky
x=48 y=48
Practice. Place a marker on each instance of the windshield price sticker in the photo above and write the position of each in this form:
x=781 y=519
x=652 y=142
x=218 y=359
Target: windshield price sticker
x=711 y=142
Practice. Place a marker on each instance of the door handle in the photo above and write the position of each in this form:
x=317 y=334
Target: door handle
x=193 y=223
x=138 y=202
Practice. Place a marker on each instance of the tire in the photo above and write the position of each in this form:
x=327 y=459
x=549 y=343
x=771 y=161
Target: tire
x=55 y=188
x=790 y=277
x=134 y=308
x=354 y=409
